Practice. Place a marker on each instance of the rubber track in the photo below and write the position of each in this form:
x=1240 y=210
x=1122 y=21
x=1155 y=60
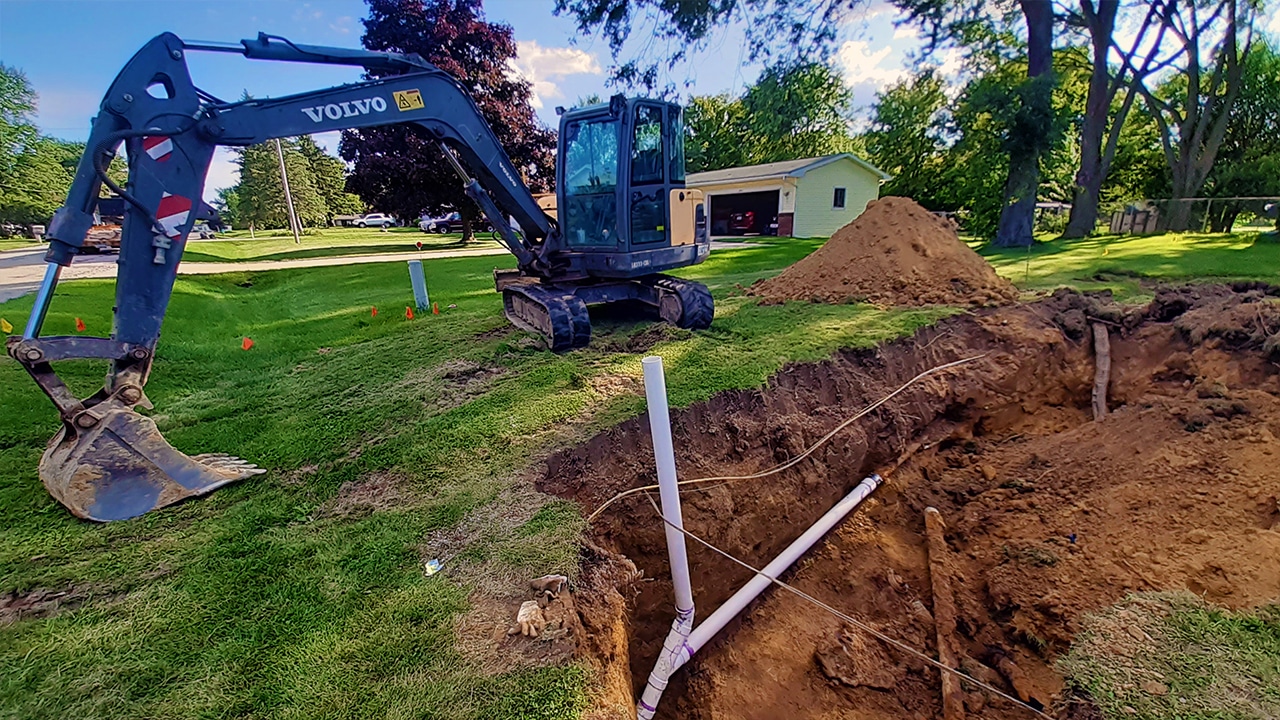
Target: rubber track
x=560 y=318
x=697 y=306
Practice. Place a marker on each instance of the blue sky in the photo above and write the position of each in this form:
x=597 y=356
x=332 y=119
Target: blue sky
x=72 y=49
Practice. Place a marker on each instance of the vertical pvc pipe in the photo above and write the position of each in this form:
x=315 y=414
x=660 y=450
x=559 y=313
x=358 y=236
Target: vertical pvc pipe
x=419 y=280
x=675 y=651
x=655 y=391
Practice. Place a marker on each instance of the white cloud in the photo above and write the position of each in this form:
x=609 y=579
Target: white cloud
x=544 y=67
x=343 y=25
x=864 y=66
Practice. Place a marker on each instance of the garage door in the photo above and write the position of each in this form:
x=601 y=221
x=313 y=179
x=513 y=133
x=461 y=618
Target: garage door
x=754 y=213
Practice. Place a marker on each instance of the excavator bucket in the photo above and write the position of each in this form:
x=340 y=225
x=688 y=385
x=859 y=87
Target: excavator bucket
x=123 y=467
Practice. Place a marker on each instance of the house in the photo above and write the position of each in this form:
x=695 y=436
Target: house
x=811 y=197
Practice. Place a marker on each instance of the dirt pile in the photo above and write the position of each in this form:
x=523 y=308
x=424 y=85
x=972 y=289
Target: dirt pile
x=894 y=253
x=1050 y=515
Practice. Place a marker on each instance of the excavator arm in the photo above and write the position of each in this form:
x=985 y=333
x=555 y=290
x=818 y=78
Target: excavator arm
x=108 y=462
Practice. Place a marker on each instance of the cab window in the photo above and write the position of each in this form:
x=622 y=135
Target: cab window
x=646 y=150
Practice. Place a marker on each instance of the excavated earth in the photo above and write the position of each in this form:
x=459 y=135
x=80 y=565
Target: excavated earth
x=1050 y=513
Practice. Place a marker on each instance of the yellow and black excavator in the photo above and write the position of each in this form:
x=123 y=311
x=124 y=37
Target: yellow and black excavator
x=624 y=217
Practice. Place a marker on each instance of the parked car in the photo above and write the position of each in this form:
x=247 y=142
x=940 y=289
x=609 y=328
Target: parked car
x=742 y=223
x=449 y=223
x=203 y=231
x=376 y=220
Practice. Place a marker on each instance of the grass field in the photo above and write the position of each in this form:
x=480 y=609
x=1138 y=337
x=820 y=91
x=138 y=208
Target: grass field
x=258 y=600
x=1123 y=263
x=18 y=244
x=279 y=245
x=268 y=598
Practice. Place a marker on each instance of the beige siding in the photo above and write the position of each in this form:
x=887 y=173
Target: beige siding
x=815 y=217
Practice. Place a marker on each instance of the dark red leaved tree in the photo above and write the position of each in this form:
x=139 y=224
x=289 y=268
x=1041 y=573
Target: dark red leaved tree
x=399 y=171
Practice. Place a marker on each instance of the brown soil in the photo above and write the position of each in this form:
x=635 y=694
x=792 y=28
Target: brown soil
x=895 y=253
x=1050 y=515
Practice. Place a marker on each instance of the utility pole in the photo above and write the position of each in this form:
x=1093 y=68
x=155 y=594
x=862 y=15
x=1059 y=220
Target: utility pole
x=288 y=197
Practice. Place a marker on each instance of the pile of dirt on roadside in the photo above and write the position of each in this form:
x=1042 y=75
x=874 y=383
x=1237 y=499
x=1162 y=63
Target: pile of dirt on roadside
x=894 y=253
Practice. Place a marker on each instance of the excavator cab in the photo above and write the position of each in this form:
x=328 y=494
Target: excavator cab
x=621 y=196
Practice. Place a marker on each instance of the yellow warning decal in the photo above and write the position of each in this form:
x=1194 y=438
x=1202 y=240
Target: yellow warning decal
x=408 y=100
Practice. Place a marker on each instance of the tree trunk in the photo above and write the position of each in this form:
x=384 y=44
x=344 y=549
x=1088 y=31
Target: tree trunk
x=1088 y=189
x=1017 y=219
x=468 y=234
x=1030 y=131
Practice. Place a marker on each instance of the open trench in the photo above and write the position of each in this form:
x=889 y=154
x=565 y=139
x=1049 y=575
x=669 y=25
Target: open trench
x=1050 y=514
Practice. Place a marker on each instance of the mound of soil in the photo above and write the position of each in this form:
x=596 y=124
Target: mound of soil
x=1050 y=514
x=894 y=253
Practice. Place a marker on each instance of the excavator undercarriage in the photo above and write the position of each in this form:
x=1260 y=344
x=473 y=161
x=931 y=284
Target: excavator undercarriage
x=623 y=218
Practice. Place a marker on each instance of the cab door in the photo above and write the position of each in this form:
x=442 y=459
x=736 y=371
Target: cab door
x=649 y=182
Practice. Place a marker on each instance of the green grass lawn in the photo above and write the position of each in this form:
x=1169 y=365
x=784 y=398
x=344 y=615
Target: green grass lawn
x=18 y=244
x=237 y=246
x=258 y=600
x=1126 y=264
x=1196 y=661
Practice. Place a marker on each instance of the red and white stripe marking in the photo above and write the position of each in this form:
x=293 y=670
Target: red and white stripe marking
x=172 y=213
x=159 y=148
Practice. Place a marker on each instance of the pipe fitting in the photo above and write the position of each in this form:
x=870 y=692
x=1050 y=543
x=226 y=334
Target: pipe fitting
x=130 y=393
x=32 y=355
x=86 y=421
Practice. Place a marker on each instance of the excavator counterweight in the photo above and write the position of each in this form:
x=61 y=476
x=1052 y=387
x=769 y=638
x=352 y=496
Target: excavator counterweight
x=623 y=217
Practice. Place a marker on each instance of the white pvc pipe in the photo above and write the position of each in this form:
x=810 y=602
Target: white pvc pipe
x=674 y=649
x=734 y=605
x=655 y=391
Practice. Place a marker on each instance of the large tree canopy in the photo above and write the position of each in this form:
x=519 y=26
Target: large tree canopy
x=400 y=171
x=789 y=113
x=803 y=29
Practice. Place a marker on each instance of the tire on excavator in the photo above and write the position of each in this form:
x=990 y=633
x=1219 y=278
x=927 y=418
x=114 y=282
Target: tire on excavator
x=685 y=303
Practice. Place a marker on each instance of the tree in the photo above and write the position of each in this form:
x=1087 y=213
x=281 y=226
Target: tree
x=41 y=177
x=398 y=170
x=1248 y=162
x=714 y=128
x=805 y=28
x=788 y=113
x=797 y=111
x=329 y=174
x=228 y=206
x=17 y=135
x=1104 y=117
x=260 y=199
x=907 y=138
x=1194 y=110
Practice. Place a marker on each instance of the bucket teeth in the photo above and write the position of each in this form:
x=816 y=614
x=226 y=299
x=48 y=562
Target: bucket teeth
x=123 y=467
x=230 y=465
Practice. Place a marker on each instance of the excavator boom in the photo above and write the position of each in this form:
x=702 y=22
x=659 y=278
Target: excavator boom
x=108 y=462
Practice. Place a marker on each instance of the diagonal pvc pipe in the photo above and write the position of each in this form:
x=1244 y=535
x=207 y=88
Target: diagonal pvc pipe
x=684 y=640
x=679 y=648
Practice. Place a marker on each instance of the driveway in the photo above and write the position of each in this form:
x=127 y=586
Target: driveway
x=22 y=270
